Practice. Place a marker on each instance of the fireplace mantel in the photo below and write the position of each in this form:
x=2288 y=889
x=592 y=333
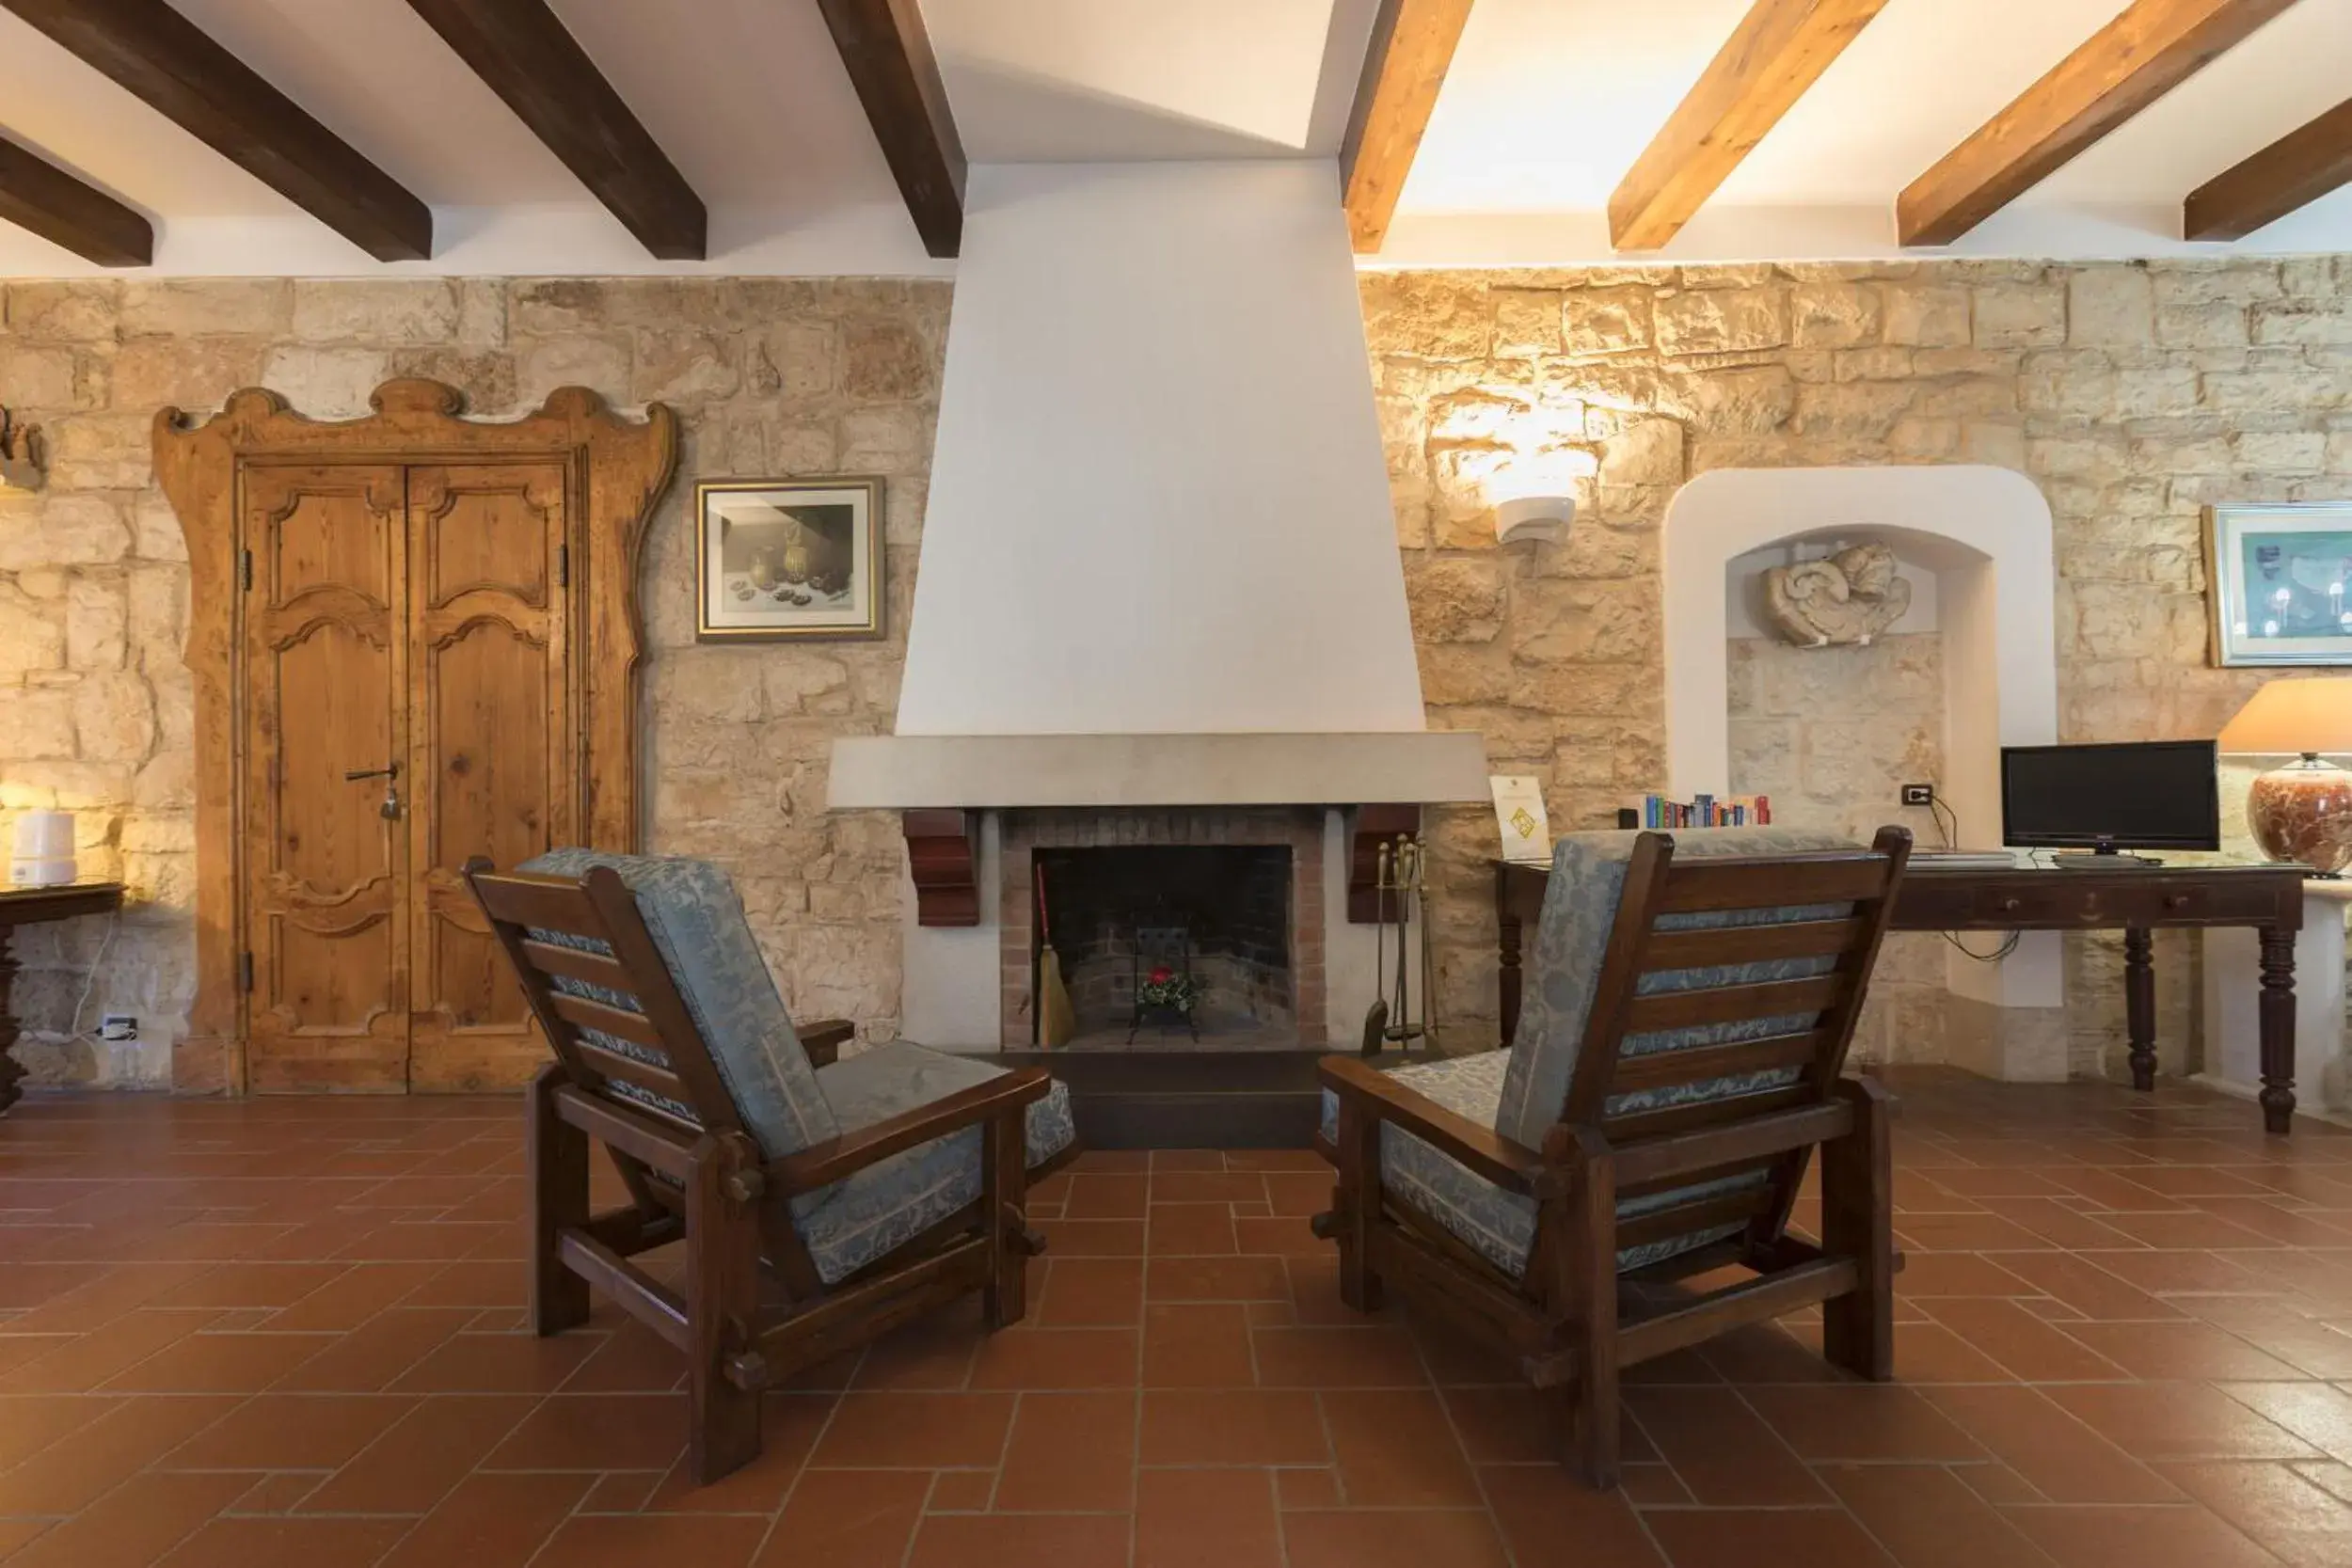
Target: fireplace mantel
x=998 y=771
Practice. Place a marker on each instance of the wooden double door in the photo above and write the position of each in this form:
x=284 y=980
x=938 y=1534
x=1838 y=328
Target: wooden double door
x=408 y=696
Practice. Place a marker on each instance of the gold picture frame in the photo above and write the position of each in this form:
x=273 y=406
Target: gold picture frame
x=2276 y=584
x=788 y=560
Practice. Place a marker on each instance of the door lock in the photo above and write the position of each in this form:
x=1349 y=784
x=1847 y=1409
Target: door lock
x=389 y=773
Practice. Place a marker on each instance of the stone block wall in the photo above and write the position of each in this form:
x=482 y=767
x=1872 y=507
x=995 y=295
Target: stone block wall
x=770 y=377
x=2133 y=394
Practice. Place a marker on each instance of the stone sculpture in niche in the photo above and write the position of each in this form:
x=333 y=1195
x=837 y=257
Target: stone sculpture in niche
x=1847 y=597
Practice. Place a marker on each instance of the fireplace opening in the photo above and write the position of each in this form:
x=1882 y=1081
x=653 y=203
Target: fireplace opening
x=1174 y=946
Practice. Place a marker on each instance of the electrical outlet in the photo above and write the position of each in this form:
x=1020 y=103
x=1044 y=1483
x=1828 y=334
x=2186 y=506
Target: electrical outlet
x=118 y=1026
x=1918 y=795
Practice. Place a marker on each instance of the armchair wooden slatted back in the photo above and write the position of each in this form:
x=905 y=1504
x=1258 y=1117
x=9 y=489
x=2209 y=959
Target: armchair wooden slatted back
x=1776 y=951
x=633 y=1071
x=588 y=930
x=1708 y=1070
x=655 y=1107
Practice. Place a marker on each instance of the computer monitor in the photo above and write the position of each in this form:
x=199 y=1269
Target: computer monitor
x=2139 y=795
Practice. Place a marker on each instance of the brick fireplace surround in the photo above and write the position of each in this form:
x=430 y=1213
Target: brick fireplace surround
x=1299 y=829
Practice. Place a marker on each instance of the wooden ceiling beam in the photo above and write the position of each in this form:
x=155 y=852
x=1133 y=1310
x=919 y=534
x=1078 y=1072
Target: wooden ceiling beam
x=38 y=195
x=1412 y=46
x=890 y=63
x=1779 y=50
x=171 y=64
x=523 y=51
x=2293 y=171
x=2153 y=47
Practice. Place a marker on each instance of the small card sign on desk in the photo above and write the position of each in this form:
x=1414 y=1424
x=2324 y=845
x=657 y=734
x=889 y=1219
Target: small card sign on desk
x=1519 y=812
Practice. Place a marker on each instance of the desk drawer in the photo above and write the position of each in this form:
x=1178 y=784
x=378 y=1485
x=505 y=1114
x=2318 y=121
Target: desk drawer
x=2049 y=901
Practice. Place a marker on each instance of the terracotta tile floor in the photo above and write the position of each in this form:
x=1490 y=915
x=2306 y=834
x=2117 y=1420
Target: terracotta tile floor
x=290 y=1331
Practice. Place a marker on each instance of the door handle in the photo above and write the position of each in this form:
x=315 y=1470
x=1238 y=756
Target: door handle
x=389 y=773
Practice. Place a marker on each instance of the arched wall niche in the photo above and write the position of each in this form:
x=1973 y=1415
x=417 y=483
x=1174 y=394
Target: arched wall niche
x=1985 y=532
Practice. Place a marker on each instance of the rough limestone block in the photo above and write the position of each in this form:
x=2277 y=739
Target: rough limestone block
x=1927 y=316
x=1606 y=320
x=195 y=308
x=1456 y=600
x=326 y=383
x=63 y=530
x=1716 y=320
x=380 y=311
x=32 y=632
x=1834 y=316
x=2110 y=306
x=2020 y=315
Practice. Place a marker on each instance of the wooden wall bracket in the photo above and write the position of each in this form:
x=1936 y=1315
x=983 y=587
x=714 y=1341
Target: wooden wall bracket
x=1370 y=827
x=943 y=857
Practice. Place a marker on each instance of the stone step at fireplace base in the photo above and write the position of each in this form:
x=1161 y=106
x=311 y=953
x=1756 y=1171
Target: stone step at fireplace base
x=1186 y=1099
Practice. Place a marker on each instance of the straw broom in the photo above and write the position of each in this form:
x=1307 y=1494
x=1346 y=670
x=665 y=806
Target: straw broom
x=1057 y=1021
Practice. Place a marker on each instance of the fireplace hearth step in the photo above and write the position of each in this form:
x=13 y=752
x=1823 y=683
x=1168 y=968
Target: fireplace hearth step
x=1186 y=1099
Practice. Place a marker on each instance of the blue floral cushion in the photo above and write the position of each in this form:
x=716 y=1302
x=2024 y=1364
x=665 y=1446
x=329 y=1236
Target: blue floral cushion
x=697 y=924
x=855 y=1221
x=1579 y=909
x=1498 y=1224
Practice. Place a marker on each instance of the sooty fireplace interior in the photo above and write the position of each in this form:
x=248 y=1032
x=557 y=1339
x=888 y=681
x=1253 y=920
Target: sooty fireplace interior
x=1169 y=946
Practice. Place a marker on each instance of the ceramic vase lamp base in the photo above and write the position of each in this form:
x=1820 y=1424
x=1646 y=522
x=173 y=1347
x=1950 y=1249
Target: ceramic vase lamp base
x=2303 y=811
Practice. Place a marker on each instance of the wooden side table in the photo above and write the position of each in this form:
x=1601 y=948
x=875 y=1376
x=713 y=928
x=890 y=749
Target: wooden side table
x=29 y=906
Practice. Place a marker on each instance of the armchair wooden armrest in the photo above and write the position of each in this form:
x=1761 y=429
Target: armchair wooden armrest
x=1483 y=1150
x=824 y=1039
x=823 y=1164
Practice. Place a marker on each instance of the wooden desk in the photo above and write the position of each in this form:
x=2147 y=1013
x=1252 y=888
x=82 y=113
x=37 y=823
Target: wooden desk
x=2269 y=898
x=27 y=906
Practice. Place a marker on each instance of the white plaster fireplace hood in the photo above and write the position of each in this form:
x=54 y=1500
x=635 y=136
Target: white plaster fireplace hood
x=1159 y=563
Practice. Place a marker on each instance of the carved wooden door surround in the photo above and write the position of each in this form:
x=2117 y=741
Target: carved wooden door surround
x=459 y=597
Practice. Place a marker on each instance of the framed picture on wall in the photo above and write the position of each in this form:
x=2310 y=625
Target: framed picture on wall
x=782 y=559
x=2279 y=583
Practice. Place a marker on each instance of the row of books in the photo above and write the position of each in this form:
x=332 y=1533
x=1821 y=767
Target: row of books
x=1705 y=810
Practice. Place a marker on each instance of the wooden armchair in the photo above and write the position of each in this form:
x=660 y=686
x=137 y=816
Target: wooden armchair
x=1680 y=1060
x=821 y=1201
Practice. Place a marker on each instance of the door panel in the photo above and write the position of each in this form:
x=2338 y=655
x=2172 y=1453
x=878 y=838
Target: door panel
x=492 y=746
x=325 y=669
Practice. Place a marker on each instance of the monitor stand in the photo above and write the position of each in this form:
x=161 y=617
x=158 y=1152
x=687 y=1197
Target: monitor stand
x=2105 y=858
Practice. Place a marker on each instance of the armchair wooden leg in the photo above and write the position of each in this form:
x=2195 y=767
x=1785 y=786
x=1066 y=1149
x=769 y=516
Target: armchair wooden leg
x=722 y=1305
x=1004 y=1196
x=558 y=1159
x=1587 y=1264
x=1858 y=1222
x=1356 y=1207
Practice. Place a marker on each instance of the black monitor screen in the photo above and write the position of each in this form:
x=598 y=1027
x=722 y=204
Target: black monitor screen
x=2147 y=795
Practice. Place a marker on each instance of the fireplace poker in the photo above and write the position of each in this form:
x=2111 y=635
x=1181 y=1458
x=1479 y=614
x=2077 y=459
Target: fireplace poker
x=1376 y=1016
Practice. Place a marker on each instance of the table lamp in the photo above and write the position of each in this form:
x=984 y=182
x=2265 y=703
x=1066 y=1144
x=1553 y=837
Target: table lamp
x=2303 y=811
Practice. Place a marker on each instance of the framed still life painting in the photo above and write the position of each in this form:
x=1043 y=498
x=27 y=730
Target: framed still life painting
x=778 y=559
x=2279 y=578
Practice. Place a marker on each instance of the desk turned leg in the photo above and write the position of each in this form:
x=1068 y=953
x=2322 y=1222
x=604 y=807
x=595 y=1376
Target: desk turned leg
x=1509 y=978
x=2139 y=1006
x=2277 y=1028
x=9 y=1073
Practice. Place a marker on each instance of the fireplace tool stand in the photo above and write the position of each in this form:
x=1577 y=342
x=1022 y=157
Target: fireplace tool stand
x=1399 y=883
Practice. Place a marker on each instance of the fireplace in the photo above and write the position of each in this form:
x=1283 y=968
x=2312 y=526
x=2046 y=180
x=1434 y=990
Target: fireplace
x=1208 y=922
x=1230 y=900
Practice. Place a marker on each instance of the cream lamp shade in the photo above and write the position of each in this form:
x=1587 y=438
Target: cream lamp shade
x=2303 y=811
x=2291 y=718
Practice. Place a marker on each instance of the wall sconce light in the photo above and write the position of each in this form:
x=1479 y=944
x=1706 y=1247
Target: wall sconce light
x=1541 y=517
x=22 y=457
